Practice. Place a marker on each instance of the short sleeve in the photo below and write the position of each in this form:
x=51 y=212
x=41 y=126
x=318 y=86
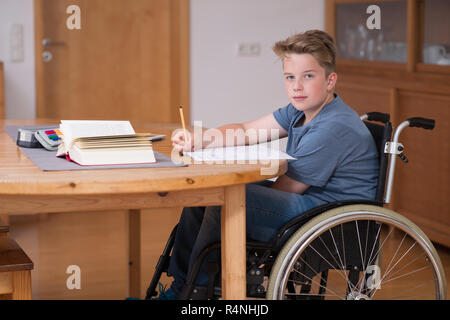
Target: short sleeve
x=284 y=116
x=317 y=157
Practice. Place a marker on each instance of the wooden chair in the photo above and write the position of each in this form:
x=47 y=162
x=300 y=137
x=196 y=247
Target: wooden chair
x=15 y=268
x=4 y=228
x=15 y=265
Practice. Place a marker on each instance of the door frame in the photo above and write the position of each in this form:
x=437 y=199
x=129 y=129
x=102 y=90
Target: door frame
x=2 y=92
x=179 y=58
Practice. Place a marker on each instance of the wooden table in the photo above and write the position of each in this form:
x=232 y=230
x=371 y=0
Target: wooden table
x=24 y=188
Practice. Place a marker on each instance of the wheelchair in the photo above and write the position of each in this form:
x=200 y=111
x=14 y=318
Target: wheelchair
x=348 y=250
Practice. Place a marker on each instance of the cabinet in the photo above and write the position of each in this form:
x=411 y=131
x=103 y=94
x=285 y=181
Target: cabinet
x=403 y=68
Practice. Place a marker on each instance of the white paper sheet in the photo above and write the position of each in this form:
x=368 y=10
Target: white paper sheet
x=240 y=153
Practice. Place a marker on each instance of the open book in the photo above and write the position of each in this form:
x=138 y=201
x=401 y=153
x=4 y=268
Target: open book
x=93 y=142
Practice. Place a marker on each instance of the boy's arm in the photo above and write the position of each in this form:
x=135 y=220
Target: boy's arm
x=263 y=129
x=284 y=183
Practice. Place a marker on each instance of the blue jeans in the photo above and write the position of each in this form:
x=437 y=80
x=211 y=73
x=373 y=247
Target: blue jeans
x=267 y=210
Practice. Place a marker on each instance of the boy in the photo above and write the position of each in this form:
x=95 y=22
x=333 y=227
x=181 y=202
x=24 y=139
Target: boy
x=336 y=157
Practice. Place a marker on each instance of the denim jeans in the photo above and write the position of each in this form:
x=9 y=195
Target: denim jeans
x=266 y=209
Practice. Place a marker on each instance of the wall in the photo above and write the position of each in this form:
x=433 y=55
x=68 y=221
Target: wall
x=19 y=76
x=226 y=87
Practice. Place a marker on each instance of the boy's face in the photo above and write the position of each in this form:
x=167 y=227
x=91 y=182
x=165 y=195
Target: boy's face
x=307 y=86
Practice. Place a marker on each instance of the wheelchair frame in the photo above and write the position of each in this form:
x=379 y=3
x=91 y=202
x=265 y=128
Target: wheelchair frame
x=262 y=256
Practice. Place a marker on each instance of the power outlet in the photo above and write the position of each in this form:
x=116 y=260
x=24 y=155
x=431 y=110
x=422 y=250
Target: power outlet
x=246 y=49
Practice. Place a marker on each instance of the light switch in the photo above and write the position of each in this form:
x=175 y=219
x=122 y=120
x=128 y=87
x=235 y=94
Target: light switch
x=249 y=49
x=16 y=43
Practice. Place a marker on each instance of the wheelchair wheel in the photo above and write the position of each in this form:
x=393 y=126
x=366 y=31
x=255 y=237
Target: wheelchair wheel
x=358 y=252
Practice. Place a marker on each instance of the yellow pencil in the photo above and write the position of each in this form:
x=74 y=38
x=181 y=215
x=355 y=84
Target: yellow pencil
x=183 y=124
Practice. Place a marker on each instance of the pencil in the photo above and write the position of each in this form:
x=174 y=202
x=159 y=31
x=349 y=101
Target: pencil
x=183 y=124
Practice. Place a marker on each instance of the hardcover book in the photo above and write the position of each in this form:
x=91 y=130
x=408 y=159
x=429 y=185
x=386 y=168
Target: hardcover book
x=93 y=142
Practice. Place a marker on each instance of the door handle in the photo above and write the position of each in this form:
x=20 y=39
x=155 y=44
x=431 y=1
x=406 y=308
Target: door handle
x=47 y=42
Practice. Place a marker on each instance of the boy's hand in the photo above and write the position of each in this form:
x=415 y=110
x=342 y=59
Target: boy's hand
x=179 y=143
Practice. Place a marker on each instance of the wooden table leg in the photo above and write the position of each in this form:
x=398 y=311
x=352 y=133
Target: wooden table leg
x=21 y=285
x=233 y=244
x=134 y=238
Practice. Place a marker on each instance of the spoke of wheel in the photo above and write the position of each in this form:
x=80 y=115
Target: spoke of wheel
x=337 y=263
x=316 y=272
x=401 y=258
x=407 y=274
x=343 y=276
x=343 y=244
x=328 y=288
x=388 y=270
x=360 y=281
x=369 y=261
x=345 y=258
x=382 y=244
x=406 y=265
x=374 y=245
x=331 y=254
x=359 y=243
x=393 y=257
x=404 y=275
x=365 y=248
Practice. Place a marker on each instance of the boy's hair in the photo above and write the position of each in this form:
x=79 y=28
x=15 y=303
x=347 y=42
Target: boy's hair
x=315 y=42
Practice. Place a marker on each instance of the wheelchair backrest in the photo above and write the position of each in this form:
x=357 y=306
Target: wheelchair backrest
x=381 y=134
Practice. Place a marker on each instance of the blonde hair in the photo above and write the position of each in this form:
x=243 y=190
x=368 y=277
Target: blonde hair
x=315 y=42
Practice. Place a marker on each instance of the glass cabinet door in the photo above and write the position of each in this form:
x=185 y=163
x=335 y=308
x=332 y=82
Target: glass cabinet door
x=356 y=41
x=436 y=35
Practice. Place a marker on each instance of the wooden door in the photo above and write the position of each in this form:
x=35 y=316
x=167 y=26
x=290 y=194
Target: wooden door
x=129 y=59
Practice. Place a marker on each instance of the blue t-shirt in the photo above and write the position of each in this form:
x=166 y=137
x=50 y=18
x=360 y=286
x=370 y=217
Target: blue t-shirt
x=335 y=153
